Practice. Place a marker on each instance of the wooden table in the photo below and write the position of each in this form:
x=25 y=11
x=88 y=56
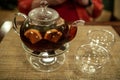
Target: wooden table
x=115 y=25
x=14 y=65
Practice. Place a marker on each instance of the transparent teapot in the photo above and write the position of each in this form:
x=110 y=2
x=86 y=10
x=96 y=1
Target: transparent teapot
x=44 y=30
x=44 y=33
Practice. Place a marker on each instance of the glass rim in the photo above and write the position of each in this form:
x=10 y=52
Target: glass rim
x=102 y=30
x=91 y=45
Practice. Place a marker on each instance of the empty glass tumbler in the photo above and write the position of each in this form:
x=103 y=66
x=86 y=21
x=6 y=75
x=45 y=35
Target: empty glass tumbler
x=103 y=38
x=91 y=57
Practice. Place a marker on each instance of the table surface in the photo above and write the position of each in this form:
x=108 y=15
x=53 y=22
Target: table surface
x=14 y=65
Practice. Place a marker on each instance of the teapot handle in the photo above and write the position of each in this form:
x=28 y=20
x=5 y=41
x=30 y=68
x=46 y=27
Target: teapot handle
x=15 y=27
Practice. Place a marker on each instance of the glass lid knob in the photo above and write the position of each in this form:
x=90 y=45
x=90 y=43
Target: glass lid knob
x=44 y=14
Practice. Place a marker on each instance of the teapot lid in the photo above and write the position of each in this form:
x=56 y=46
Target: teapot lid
x=43 y=13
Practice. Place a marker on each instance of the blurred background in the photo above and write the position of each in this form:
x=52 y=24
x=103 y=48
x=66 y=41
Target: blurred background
x=111 y=11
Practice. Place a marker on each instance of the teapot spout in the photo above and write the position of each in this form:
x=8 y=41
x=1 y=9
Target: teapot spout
x=73 y=29
x=78 y=23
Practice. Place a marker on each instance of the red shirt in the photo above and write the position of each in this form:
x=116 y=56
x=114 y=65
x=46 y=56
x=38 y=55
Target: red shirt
x=70 y=11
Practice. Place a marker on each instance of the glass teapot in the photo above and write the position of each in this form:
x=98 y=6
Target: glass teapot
x=44 y=30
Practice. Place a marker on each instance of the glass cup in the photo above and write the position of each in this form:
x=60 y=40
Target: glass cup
x=90 y=58
x=103 y=38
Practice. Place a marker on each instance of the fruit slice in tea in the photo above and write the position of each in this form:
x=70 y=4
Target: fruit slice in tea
x=33 y=35
x=53 y=35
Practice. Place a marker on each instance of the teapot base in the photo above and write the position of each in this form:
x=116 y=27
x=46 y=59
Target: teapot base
x=45 y=61
x=46 y=64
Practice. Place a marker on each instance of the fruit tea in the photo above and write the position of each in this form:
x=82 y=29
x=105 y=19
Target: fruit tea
x=46 y=38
